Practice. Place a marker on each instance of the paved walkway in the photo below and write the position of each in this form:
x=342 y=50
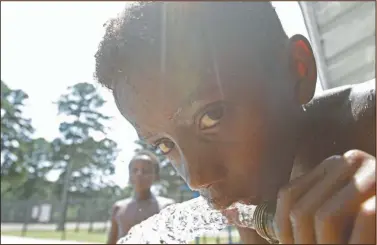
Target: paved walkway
x=44 y=227
x=71 y=226
x=24 y=240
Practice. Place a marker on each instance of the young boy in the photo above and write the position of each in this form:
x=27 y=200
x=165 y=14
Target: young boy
x=143 y=171
x=221 y=90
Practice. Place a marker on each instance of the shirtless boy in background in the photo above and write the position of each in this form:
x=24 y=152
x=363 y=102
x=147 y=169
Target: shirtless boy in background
x=143 y=171
x=222 y=85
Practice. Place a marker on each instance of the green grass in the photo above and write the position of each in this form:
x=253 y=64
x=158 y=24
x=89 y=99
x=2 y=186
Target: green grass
x=96 y=237
x=213 y=240
x=80 y=236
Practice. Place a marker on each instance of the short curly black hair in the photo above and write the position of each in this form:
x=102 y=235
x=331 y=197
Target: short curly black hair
x=145 y=153
x=133 y=40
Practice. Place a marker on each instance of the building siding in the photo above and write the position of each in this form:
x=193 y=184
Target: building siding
x=344 y=34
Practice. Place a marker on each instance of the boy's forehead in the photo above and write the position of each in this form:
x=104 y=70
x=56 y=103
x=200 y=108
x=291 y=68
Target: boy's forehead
x=170 y=80
x=147 y=107
x=150 y=99
x=151 y=104
x=142 y=160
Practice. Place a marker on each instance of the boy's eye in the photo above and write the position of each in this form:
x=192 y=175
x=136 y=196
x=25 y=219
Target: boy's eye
x=211 y=118
x=165 y=145
x=142 y=171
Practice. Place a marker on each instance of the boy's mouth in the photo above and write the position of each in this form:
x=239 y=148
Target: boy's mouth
x=224 y=202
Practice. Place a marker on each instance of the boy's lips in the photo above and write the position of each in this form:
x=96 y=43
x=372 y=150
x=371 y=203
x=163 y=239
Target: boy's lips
x=220 y=197
x=251 y=200
x=233 y=217
x=223 y=202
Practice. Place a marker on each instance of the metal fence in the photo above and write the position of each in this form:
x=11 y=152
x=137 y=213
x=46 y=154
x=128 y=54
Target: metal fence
x=83 y=216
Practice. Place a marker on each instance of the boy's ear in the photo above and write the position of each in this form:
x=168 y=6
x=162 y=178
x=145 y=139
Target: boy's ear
x=302 y=67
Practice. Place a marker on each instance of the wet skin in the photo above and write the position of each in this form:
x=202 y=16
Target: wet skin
x=131 y=211
x=244 y=135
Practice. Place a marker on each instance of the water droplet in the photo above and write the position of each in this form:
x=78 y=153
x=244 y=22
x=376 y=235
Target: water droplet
x=370 y=96
x=180 y=223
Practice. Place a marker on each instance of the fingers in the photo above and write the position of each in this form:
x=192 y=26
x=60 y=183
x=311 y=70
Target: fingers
x=302 y=214
x=312 y=209
x=333 y=221
x=288 y=196
x=364 y=231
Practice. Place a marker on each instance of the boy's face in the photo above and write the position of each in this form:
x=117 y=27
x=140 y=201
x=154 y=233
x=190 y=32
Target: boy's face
x=233 y=129
x=142 y=174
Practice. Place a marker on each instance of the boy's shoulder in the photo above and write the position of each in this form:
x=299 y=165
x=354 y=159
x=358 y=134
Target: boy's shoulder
x=357 y=99
x=123 y=202
x=120 y=205
x=363 y=98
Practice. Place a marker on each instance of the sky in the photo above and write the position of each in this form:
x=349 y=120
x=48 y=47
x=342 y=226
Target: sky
x=48 y=46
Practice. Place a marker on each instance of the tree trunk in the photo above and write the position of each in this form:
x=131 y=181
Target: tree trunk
x=63 y=216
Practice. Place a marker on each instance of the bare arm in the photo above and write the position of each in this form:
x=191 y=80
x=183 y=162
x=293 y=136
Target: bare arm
x=249 y=236
x=113 y=233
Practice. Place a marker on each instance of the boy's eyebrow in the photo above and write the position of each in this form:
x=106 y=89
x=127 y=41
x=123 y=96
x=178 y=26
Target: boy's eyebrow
x=186 y=103
x=197 y=92
x=200 y=90
x=148 y=135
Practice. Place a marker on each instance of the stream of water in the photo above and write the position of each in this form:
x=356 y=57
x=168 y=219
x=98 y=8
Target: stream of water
x=181 y=223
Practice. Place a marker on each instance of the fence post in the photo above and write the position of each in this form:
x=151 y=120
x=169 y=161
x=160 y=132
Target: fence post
x=63 y=220
x=197 y=240
x=218 y=239
x=65 y=196
x=90 y=228
x=230 y=235
x=105 y=223
x=78 y=216
x=26 y=220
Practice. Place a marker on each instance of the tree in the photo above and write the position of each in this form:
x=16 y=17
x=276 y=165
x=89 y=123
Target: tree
x=84 y=161
x=38 y=162
x=16 y=132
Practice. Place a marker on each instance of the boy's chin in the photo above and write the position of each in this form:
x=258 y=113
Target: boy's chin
x=223 y=204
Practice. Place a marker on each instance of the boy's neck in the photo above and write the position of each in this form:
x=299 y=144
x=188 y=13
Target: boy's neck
x=143 y=195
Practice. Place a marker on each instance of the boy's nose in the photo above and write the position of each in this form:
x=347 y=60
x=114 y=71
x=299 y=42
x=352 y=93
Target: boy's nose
x=200 y=162
x=139 y=172
x=202 y=175
x=200 y=169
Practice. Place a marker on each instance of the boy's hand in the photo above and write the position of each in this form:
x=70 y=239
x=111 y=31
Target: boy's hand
x=334 y=203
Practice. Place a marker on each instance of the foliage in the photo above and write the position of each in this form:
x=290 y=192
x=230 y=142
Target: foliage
x=25 y=161
x=38 y=162
x=16 y=132
x=91 y=159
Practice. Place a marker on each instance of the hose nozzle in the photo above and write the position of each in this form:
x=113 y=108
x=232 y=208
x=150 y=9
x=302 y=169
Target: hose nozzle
x=264 y=222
